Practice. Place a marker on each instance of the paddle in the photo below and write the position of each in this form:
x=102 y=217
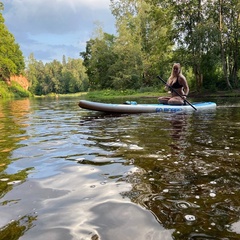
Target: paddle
x=177 y=93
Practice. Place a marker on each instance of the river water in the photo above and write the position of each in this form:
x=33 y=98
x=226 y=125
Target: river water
x=68 y=173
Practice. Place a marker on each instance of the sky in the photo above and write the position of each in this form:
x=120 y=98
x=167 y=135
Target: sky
x=52 y=28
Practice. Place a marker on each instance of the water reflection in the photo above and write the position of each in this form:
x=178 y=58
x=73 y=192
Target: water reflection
x=20 y=226
x=178 y=131
x=195 y=188
x=13 y=115
x=126 y=225
x=73 y=174
x=181 y=188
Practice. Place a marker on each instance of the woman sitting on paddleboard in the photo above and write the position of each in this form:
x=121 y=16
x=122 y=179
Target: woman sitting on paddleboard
x=179 y=83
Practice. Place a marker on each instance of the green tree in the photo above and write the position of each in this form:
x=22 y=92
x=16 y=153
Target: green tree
x=144 y=29
x=53 y=72
x=74 y=76
x=157 y=39
x=128 y=47
x=229 y=31
x=152 y=34
x=206 y=34
x=99 y=59
x=56 y=77
x=11 y=57
x=134 y=57
x=35 y=72
x=191 y=35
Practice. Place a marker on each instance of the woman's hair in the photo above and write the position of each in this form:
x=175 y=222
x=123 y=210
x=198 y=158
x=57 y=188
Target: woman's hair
x=173 y=75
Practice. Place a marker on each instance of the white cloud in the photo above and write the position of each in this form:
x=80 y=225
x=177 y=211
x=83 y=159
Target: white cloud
x=55 y=16
x=39 y=24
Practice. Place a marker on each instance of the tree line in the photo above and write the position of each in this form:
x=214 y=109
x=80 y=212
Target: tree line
x=203 y=35
x=68 y=76
x=11 y=57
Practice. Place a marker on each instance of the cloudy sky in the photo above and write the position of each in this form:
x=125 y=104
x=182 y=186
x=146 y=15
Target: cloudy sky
x=52 y=28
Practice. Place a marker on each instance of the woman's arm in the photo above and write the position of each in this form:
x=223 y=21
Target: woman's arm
x=185 y=85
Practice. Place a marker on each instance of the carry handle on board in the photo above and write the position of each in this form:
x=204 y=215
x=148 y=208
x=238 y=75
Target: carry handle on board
x=176 y=93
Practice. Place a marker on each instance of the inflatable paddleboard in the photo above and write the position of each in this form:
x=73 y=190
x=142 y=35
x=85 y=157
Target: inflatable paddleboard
x=134 y=107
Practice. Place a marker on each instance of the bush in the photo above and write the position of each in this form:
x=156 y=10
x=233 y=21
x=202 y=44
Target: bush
x=4 y=90
x=18 y=91
x=15 y=90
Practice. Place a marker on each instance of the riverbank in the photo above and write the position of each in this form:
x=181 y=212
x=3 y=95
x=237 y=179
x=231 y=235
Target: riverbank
x=16 y=91
x=130 y=94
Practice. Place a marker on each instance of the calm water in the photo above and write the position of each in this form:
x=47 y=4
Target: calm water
x=68 y=173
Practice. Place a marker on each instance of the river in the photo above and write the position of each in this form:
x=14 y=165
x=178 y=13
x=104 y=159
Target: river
x=68 y=173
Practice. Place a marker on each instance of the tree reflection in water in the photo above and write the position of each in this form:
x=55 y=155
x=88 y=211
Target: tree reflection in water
x=186 y=177
x=17 y=228
x=186 y=170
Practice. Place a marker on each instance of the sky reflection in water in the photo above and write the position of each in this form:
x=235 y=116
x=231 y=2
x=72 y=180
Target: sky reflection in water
x=67 y=173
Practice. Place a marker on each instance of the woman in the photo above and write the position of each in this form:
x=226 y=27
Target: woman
x=179 y=83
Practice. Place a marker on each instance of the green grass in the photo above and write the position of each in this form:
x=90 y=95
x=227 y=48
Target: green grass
x=56 y=95
x=108 y=94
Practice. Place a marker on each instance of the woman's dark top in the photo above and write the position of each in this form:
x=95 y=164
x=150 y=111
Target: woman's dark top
x=177 y=84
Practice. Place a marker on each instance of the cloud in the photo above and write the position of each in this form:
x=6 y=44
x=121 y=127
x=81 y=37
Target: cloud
x=66 y=25
x=54 y=16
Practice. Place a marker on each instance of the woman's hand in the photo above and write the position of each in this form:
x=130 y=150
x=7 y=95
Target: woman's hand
x=184 y=96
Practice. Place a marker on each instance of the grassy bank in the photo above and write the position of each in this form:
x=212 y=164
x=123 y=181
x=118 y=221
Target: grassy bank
x=16 y=91
x=12 y=91
x=109 y=94
x=131 y=94
x=57 y=95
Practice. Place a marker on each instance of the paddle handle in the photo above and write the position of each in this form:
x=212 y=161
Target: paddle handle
x=176 y=92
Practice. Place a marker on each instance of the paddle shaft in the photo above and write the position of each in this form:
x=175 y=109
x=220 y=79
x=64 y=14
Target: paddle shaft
x=176 y=93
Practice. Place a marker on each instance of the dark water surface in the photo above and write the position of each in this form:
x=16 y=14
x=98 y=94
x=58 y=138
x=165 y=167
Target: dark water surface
x=68 y=173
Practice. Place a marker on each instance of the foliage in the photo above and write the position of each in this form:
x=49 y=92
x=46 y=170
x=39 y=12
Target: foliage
x=11 y=57
x=134 y=57
x=207 y=32
x=99 y=59
x=14 y=90
x=18 y=91
x=202 y=35
x=151 y=35
x=56 y=77
x=4 y=90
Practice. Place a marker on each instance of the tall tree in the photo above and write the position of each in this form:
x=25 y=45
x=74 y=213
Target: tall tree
x=158 y=38
x=74 y=76
x=33 y=71
x=56 y=77
x=11 y=57
x=190 y=34
x=53 y=72
x=229 y=31
x=207 y=33
x=98 y=59
x=143 y=41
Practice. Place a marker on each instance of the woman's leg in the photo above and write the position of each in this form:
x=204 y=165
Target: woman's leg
x=176 y=101
x=163 y=100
